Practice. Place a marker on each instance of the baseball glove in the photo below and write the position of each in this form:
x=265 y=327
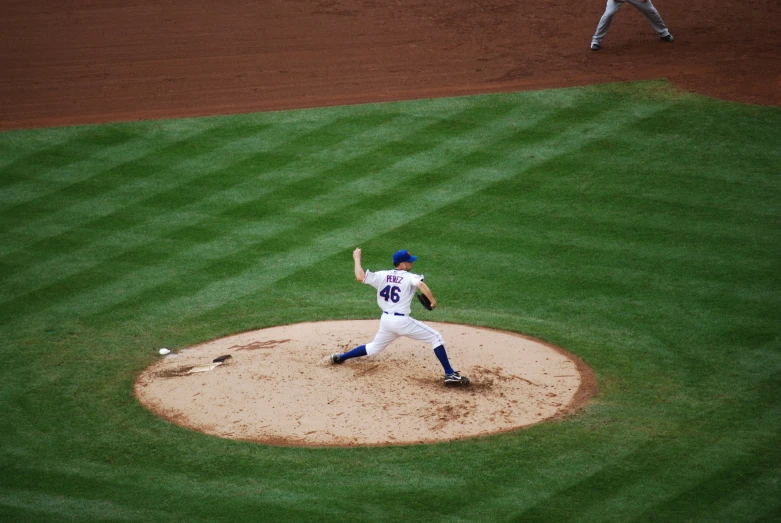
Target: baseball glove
x=424 y=301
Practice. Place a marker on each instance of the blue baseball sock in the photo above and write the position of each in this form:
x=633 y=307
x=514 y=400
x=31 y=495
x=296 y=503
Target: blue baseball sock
x=442 y=357
x=356 y=352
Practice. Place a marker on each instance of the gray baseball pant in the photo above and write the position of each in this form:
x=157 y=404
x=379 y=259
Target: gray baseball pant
x=647 y=8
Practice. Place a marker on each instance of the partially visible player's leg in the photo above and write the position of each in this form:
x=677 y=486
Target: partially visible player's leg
x=653 y=16
x=604 y=23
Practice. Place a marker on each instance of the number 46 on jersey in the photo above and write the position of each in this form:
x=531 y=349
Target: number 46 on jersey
x=391 y=292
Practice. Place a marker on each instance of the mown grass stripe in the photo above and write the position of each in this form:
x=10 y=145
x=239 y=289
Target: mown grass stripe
x=268 y=147
x=174 y=220
x=283 y=264
x=213 y=148
x=678 y=467
x=59 y=269
x=248 y=237
x=714 y=496
x=110 y=190
x=528 y=488
x=305 y=143
x=64 y=507
x=168 y=492
x=90 y=208
x=170 y=482
x=222 y=244
x=750 y=496
x=18 y=146
x=624 y=236
x=35 y=183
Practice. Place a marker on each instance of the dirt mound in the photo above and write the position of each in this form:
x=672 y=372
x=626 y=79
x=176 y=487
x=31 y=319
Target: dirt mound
x=279 y=387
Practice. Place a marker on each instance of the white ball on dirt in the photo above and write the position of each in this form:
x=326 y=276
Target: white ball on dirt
x=164 y=351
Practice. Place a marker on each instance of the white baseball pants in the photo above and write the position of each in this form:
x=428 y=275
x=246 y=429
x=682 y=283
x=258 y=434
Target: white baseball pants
x=393 y=327
x=647 y=8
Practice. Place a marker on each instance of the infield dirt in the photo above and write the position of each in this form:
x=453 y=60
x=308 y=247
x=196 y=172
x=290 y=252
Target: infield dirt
x=87 y=62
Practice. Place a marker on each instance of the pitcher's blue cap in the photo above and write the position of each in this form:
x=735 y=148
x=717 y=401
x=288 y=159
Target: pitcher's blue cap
x=403 y=256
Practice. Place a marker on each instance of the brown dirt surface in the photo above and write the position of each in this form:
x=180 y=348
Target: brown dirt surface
x=90 y=61
x=279 y=386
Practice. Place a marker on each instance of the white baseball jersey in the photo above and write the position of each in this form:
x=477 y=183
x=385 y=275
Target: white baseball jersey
x=395 y=289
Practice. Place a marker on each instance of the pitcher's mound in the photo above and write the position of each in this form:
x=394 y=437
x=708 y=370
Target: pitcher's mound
x=278 y=386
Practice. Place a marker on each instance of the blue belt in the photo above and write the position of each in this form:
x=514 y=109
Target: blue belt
x=395 y=313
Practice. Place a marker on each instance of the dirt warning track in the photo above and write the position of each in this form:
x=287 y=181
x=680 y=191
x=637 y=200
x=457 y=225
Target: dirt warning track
x=87 y=61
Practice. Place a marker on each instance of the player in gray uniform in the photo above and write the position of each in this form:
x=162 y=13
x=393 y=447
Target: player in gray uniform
x=644 y=6
x=395 y=290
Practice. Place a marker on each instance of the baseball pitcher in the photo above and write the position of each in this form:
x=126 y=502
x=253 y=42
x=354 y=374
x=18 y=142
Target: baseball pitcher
x=395 y=290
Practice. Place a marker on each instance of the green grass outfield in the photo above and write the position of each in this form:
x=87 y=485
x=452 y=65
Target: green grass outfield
x=635 y=225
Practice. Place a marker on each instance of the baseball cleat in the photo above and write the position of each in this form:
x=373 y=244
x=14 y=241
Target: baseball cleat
x=594 y=46
x=335 y=359
x=456 y=379
x=668 y=38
